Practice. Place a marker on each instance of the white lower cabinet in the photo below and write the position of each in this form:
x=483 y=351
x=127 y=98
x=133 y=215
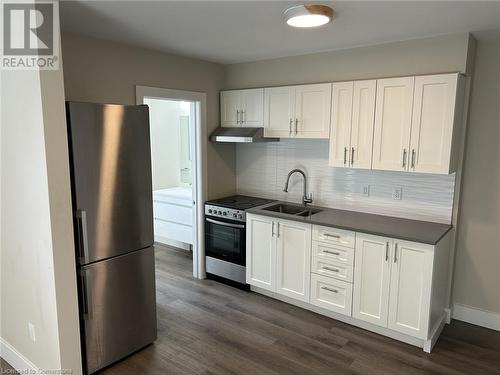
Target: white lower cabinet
x=398 y=285
x=278 y=256
x=293 y=259
x=372 y=269
x=393 y=283
x=411 y=285
x=331 y=294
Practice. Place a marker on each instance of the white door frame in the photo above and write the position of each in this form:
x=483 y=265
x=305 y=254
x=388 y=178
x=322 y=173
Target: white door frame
x=200 y=161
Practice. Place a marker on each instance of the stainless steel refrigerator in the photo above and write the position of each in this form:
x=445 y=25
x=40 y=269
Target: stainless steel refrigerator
x=110 y=162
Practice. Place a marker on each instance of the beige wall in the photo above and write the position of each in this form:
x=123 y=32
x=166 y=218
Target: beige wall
x=101 y=71
x=37 y=258
x=477 y=268
x=446 y=53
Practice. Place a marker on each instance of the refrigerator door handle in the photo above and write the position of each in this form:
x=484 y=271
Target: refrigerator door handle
x=86 y=295
x=83 y=240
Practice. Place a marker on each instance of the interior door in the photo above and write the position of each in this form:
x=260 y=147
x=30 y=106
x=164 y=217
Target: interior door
x=432 y=125
x=252 y=105
x=279 y=111
x=410 y=290
x=261 y=252
x=119 y=307
x=363 y=117
x=229 y=108
x=371 y=278
x=312 y=110
x=391 y=140
x=340 y=140
x=111 y=178
x=293 y=260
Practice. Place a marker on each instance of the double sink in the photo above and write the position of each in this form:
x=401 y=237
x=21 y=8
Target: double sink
x=291 y=209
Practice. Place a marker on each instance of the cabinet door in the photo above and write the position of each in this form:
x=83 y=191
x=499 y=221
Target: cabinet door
x=229 y=108
x=372 y=269
x=340 y=139
x=410 y=290
x=432 y=125
x=312 y=111
x=260 y=252
x=293 y=259
x=252 y=107
x=391 y=140
x=278 y=111
x=363 y=113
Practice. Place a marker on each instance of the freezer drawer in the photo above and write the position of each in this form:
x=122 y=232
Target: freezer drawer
x=118 y=305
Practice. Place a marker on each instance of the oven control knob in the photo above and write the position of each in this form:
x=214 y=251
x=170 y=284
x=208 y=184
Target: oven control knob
x=235 y=216
x=224 y=213
x=220 y=213
x=209 y=211
x=240 y=216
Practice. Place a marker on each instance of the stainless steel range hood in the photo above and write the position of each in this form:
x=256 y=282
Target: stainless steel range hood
x=240 y=135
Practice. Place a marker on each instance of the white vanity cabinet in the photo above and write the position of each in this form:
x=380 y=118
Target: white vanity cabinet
x=242 y=108
x=278 y=256
x=298 y=111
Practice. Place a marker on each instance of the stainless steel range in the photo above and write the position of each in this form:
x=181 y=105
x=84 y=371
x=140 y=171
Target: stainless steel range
x=225 y=236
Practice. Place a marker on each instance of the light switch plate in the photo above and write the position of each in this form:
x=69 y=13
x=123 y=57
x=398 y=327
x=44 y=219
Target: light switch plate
x=397 y=193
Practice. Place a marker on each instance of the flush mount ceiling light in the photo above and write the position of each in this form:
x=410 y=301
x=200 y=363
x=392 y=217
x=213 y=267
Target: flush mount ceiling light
x=308 y=15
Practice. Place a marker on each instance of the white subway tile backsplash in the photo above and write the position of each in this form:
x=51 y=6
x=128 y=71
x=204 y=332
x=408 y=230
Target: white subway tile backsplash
x=262 y=169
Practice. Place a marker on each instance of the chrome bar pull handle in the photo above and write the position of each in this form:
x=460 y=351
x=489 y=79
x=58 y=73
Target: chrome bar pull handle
x=331 y=269
x=272 y=229
x=387 y=251
x=278 y=233
x=345 y=155
x=290 y=127
x=331 y=252
x=329 y=289
x=352 y=155
x=395 y=253
x=413 y=158
x=296 y=126
x=237 y=116
x=243 y=116
x=83 y=242
x=404 y=158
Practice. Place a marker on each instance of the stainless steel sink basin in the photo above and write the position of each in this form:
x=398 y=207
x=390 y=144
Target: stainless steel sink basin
x=291 y=209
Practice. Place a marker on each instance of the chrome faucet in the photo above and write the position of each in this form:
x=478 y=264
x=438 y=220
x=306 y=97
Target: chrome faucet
x=305 y=199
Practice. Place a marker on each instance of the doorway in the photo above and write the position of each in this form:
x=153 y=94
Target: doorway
x=178 y=168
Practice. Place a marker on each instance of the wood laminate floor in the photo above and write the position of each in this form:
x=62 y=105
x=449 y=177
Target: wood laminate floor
x=205 y=327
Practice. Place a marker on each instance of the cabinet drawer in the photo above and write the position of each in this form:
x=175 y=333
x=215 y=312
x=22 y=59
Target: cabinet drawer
x=331 y=294
x=333 y=236
x=336 y=253
x=331 y=268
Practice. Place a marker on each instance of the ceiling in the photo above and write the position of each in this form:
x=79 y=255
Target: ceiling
x=239 y=31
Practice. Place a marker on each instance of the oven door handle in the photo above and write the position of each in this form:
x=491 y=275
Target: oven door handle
x=240 y=226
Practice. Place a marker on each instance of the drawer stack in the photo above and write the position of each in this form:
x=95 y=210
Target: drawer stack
x=332 y=268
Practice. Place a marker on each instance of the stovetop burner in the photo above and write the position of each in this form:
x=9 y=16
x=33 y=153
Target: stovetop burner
x=240 y=202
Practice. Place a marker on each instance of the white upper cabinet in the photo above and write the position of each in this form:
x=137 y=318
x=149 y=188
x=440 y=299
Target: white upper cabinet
x=410 y=290
x=242 y=108
x=230 y=108
x=297 y=111
x=340 y=133
x=261 y=252
x=312 y=110
x=293 y=259
x=279 y=105
x=372 y=273
x=391 y=140
x=434 y=107
x=353 y=107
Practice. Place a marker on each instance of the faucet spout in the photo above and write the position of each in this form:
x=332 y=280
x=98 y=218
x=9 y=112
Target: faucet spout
x=305 y=198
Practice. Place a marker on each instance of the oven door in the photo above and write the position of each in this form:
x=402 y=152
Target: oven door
x=225 y=240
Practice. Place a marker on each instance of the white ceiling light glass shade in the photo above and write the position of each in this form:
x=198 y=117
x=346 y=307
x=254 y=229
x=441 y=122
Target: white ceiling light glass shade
x=308 y=15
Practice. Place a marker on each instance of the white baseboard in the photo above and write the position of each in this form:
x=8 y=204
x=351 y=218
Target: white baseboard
x=476 y=316
x=14 y=358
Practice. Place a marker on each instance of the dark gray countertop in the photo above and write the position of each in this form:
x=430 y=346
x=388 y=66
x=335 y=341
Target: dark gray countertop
x=405 y=229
